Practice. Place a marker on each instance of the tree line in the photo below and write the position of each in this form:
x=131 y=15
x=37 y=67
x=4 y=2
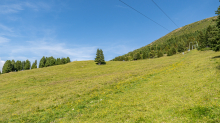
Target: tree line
x=11 y=65
x=169 y=47
x=210 y=39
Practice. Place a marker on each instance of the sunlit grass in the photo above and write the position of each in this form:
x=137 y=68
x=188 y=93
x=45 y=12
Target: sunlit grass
x=181 y=88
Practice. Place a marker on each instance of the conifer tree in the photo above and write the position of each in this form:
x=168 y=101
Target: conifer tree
x=63 y=61
x=47 y=62
x=138 y=56
x=7 y=67
x=215 y=40
x=52 y=61
x=208 y=35
x=34 y=65
x=42 y=62
x=13 y=65
x=169 y=53
x=100 y=57
x=135 y=56
x=27 y=65
x=23 y=65
x=144 y=55
x=181 y=45
x=126 y=58
x=68 y=60
x=152 y=54
x=18 y=65
x=147 y=55
x=58 y=61
x=159 y=54
x=202 y=41
x=173 y=50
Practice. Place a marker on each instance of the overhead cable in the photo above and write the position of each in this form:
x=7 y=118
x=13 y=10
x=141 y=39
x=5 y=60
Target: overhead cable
x=143 y=14
x=164 y=13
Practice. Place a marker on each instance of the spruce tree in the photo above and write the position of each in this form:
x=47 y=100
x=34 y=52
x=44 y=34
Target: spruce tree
x=68 y=60
x=144 y=55
x=103 y=58
x=13 y=65
x=42 y=62
x=23 y=65
x=100 y=57
x=208 y=35
x=152 y=54
x=34 y=65
x=52 y=61
x=27 y=65
x=169 y=53
x=7 y=67
x=159 y=54
x=202 y=41
x=47 y=62
x=63 y=61
x=138 y=56
x=126 y=58
x=173 y=50
x=58 y=61
x=17 y=65
x=215 y=40
x=181 y=47
x=147 y=55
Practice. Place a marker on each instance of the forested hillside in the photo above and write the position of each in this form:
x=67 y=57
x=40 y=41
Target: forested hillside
x=174 y=42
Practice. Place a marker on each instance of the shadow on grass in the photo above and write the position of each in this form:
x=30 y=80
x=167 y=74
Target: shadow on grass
x=218 y=67
x=196 y=113
x=215 y=57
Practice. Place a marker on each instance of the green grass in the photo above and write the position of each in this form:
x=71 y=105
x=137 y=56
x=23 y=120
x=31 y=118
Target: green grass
x=180 y=88
x=190 y=28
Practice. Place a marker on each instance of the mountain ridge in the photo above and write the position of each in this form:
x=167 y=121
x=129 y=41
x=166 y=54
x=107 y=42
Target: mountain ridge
x=188 y=31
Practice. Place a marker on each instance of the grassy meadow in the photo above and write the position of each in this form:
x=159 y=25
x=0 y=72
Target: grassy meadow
x=179 y=88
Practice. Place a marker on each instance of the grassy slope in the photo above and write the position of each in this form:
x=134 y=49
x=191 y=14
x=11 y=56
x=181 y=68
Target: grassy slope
x=190 y=28
x=168 y=89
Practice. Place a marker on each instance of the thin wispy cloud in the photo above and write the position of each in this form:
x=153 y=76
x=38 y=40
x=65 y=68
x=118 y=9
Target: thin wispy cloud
x=4 y=40
x=49 y=48
x=13 y=8
x=5 y=28
x=37 y=6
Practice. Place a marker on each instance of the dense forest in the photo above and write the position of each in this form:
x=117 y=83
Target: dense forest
x=12 y=66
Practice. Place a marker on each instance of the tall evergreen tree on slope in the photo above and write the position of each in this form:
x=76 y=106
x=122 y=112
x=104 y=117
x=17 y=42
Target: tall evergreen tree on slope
x=100 y=57
x=215 y=40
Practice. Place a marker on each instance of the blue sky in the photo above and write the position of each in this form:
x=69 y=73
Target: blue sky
x=30 y=29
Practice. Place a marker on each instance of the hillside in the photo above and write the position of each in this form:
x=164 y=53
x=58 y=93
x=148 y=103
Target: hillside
x=179 y=88
x=190 y=28
x=178 y=39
